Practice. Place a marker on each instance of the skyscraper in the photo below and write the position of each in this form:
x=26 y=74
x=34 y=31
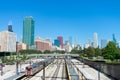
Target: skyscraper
x=95 y=40
x=89 y=42
x=61 y=41
x=104 y=43
x=114 y=39
x=57 y=42
x=7 y=41
x=10 y=26
x=28 y=31
x=70 y=40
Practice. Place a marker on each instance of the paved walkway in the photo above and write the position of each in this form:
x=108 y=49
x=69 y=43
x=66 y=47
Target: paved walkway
x=88 y=72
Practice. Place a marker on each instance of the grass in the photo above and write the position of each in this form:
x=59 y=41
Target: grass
x=108 y=61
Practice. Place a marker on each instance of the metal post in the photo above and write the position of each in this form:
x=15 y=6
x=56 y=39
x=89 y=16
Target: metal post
x=99 y=72
x=30 y=62
x=1 y=69
x=20 y=67
x=82 y=63
x=17 y=68
x=43 y=70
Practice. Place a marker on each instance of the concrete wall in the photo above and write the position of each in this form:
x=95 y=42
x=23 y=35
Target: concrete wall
x=112 y=70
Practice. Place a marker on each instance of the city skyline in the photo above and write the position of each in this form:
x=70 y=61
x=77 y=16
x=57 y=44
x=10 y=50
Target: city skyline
x=78 y=19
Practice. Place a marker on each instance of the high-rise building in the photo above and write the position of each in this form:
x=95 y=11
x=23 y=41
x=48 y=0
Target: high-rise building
x=20 y=46
x=70 y=41
x=57 y=42
x=114 y=39
x=104 y=43
x=86 y=45
x=92 y=44
x=118 y=44
x=61 y=41
x=95 y=40
x=28 y=31
x=10 y=26
x=89 y=42
x=67 y=46
x=7 y=41
x=43 y=45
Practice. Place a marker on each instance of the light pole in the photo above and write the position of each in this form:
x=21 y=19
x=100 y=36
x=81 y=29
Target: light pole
x=1 y=67
x=43 y=70
x=99 y=68
x=17 y=63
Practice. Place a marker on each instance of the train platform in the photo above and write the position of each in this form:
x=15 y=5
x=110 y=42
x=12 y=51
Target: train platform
x=9 y=71
x=88 y=72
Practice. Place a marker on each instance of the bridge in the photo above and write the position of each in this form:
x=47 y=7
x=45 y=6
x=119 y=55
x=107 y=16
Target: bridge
x=55 y=54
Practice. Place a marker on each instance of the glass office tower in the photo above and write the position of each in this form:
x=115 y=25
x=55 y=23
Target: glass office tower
x=28 y=31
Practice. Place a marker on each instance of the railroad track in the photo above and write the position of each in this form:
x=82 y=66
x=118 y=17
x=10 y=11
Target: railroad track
x=54 y=77
x=64 y=77
x=63 y=74
x=24 y=78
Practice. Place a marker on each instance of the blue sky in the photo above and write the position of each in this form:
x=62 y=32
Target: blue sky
x=76 y=18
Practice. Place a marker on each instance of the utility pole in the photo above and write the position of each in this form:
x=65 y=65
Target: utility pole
x=17 y=66
x=43 y=70
x=99 y=68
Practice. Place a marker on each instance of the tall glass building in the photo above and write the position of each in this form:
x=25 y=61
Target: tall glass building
x=104 y=43
x=28 y=31
x=60 y=38
x=57 y=42
x=114 y=39
x=95 y=40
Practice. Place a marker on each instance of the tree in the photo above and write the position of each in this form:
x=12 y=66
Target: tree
x=47 y=51
x=30 y=51
x=97 y=52
x=76 y=50
x=90 y=52
x=110 y=51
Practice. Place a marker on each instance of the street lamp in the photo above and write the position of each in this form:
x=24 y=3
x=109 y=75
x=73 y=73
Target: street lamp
x=43 y=70
x=17 y=63
x=1 y=67
x=99 y=68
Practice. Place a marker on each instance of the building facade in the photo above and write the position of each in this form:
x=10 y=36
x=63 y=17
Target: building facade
x=10 y=26
x=61 y=41
x=95 y=40
x=57 y=42
x=20 y=46
x=67 y=46
x=7 y=41
x=114 y=39
x=43 y=45
x=104 y=43
x=28 y=31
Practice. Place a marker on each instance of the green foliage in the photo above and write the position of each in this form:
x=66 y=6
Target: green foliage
x=97 y=52
x=76 y=50
x=59 y=51
x=47 y=51
x=30 y=51
x=90 y=52
x=111 y=51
